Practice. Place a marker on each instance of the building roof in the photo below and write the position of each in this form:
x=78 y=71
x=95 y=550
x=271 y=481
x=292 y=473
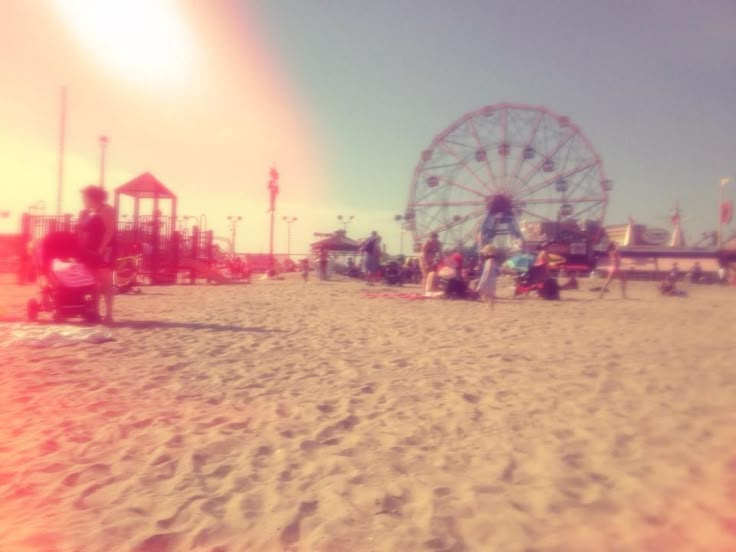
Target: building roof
x=145 y=186
x=337 y=242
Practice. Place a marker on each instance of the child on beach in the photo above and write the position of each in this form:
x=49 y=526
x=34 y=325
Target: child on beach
x=487 y=283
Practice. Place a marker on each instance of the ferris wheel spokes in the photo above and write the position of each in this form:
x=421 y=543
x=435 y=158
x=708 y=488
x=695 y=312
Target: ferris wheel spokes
x=540 y=186
x=458 y=220
x=464 y=165
x=473 y=191
x=535 y=215
x=564 y=139
x=527 y=144
x=481 y=147
x=450 y=204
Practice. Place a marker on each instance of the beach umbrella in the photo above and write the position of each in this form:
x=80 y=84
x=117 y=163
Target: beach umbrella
x=519 y=263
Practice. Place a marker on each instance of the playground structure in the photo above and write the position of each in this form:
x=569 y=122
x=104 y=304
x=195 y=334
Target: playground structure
x=498 y=172
x=156 y=247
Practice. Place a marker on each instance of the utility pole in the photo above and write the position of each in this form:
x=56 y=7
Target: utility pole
x=233 y=231
x=289 y=221
x=273 y=190
x=62 y=143
x=400 y=220
x=104 y=140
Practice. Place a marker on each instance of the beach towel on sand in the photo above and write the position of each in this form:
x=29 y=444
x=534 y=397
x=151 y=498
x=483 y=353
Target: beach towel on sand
x=390 y=295
x=49 y=336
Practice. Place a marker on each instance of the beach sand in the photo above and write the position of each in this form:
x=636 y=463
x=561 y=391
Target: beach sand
x=283 y=416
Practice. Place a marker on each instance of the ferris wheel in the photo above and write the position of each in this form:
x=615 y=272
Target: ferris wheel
x=516 y=164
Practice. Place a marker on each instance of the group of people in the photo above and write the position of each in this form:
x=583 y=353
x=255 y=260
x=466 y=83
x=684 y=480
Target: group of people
x=452 y=277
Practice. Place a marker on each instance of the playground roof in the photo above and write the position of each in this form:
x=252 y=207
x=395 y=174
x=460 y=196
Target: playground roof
x=337 y=242
x=145 y=186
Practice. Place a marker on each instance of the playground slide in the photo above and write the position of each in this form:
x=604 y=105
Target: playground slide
x=201 y=270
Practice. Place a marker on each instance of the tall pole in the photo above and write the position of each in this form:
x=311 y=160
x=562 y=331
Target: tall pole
x=62 y=140
x=400 y=220
x=721 y=222
x=289 y=221
x=234 y=220
x=273 y=188
x=103 y=146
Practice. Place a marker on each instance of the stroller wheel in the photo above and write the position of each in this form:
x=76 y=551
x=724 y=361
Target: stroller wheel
x=32 y=309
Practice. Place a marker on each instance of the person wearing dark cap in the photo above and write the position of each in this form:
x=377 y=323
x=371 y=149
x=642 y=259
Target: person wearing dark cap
x=371 y=249
x=96 y=235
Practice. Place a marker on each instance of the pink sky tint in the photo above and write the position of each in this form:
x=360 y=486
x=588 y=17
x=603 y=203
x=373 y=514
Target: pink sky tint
x=194 y=99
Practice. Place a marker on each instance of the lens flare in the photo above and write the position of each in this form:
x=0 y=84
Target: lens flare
x=144 y=41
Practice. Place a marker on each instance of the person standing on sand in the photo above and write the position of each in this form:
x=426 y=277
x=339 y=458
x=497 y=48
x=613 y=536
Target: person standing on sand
x=430 y=251
x=96 y=236
x=323 y=258
x=305 y=269
x=614 y=258
x=487 y=283
x=371 y=249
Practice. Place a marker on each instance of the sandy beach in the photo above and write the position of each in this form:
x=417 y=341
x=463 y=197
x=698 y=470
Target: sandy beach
x=282 y=416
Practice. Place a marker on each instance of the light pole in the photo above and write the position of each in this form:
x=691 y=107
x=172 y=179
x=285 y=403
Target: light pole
x=289 y=221
x=62 y=141
x=186 y=221
x=273 y=192
x=233 y=231
x=400 y=219
x=345 y=221
x=721 y=221
x=104 y=140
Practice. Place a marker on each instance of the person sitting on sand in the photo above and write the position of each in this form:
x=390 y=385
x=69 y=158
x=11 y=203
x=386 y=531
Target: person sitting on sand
x=614 y=271
x=541 y=263
x=675 y=272
x=487 y=283
x=696 y=273
x=572 y=283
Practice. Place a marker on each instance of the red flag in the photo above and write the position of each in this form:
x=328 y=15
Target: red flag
x=726 y=211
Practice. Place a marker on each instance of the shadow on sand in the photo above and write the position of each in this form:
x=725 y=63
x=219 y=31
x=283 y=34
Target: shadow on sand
x=167 y=325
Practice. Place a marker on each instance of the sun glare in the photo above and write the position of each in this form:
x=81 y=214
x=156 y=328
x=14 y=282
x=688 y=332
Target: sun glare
x=144 y=41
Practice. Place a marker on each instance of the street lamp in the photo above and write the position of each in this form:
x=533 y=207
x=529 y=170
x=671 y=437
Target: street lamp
x=289 y=221
x=104 y=140
x=233 y=230
x=400 y=219
x=345 y=221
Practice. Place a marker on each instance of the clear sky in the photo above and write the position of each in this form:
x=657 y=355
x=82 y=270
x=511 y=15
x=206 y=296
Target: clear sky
x=345 y=94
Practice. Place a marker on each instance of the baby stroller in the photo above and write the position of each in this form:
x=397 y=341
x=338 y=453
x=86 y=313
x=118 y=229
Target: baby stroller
x=534 y=279
x=67 y=287
x=392 y=274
